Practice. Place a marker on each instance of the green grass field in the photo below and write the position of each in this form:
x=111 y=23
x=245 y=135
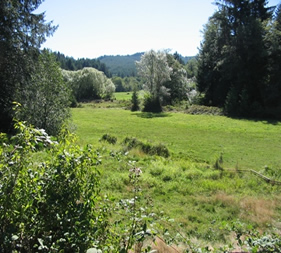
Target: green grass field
x=243 y=143
x=186 y=185
x=123 y=95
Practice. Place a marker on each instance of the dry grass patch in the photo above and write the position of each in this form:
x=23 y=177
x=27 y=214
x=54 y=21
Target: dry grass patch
x=225 y=199
x=260 y=211
x=162 y=247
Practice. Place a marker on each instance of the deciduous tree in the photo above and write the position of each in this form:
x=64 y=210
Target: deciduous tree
x=154 y=68
x=89 y=83
x=46 y=98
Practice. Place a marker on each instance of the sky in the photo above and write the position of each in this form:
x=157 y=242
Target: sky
x=93 y=28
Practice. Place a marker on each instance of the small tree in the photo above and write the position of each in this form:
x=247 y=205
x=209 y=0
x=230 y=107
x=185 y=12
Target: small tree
x=135 y=101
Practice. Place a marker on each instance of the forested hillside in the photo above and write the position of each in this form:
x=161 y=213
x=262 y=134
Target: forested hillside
x=69 y=63
x=121 y=65
x=125 y=65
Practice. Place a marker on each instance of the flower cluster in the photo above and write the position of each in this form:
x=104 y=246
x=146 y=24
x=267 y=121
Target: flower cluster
x=136 y=171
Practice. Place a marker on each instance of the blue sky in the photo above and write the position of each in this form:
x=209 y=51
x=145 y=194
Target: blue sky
x=92 y=28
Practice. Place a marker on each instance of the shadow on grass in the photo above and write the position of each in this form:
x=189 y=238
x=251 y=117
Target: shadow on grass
x=151 y=115
x=264 y=120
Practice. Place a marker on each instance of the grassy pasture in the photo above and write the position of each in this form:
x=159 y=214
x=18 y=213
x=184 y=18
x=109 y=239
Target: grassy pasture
x=243 y=143
x=186 y=185
x=123 y=95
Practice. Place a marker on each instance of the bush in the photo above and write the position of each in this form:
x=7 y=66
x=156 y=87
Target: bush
x=147 y=148
x=50 y=205
x=152 y=104
x=109 y=138
x=206 y=110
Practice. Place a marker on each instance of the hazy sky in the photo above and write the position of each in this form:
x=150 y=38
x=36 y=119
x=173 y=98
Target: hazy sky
x=92 y=28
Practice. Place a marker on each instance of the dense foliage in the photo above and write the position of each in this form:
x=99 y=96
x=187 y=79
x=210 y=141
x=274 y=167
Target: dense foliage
x=69 y=63
x=154 y=69
x=46 y=99
x=88 y=83
x=127 y=83
x=50 y=205
x=21 y=34
x=165 y=80
x=238 y=59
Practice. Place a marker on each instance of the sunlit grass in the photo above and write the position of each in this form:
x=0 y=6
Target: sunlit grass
x=243 y=143
x=123 y=95
x=186 y=185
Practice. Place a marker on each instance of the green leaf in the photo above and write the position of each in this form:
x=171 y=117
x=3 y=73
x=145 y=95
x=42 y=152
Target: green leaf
x=15 y=237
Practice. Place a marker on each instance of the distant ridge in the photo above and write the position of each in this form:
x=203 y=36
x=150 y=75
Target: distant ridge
x=124 y=65
x=121 y=65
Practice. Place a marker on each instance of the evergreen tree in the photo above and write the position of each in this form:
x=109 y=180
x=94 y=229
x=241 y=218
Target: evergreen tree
x=135 y=101
x=21 y=34
x=273 y=44
x=232 y=71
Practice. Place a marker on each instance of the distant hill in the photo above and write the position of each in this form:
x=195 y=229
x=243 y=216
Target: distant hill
x=69 y=63
x=121 y=65
x=111 y=65
x=124 y=65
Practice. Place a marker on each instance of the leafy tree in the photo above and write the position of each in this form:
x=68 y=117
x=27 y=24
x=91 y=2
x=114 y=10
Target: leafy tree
x=46 y=98
x=21 y=34
x=178 y=85
x=118 y=82
x=191 y=67
x=89 y=83
x=154 y=68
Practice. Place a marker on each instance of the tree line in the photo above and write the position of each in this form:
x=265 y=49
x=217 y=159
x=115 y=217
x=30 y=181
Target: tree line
x=69 y=63
x=239 y=59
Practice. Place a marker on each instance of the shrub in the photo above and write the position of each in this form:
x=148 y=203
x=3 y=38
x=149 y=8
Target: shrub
x=109 y=138
x=206 y=110
x=152 y=104
x=147 y=148
x=50 y=205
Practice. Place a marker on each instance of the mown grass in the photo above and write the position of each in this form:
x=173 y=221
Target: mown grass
x=186 y=185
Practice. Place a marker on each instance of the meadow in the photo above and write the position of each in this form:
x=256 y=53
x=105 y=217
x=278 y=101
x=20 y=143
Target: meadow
x=199 y=184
